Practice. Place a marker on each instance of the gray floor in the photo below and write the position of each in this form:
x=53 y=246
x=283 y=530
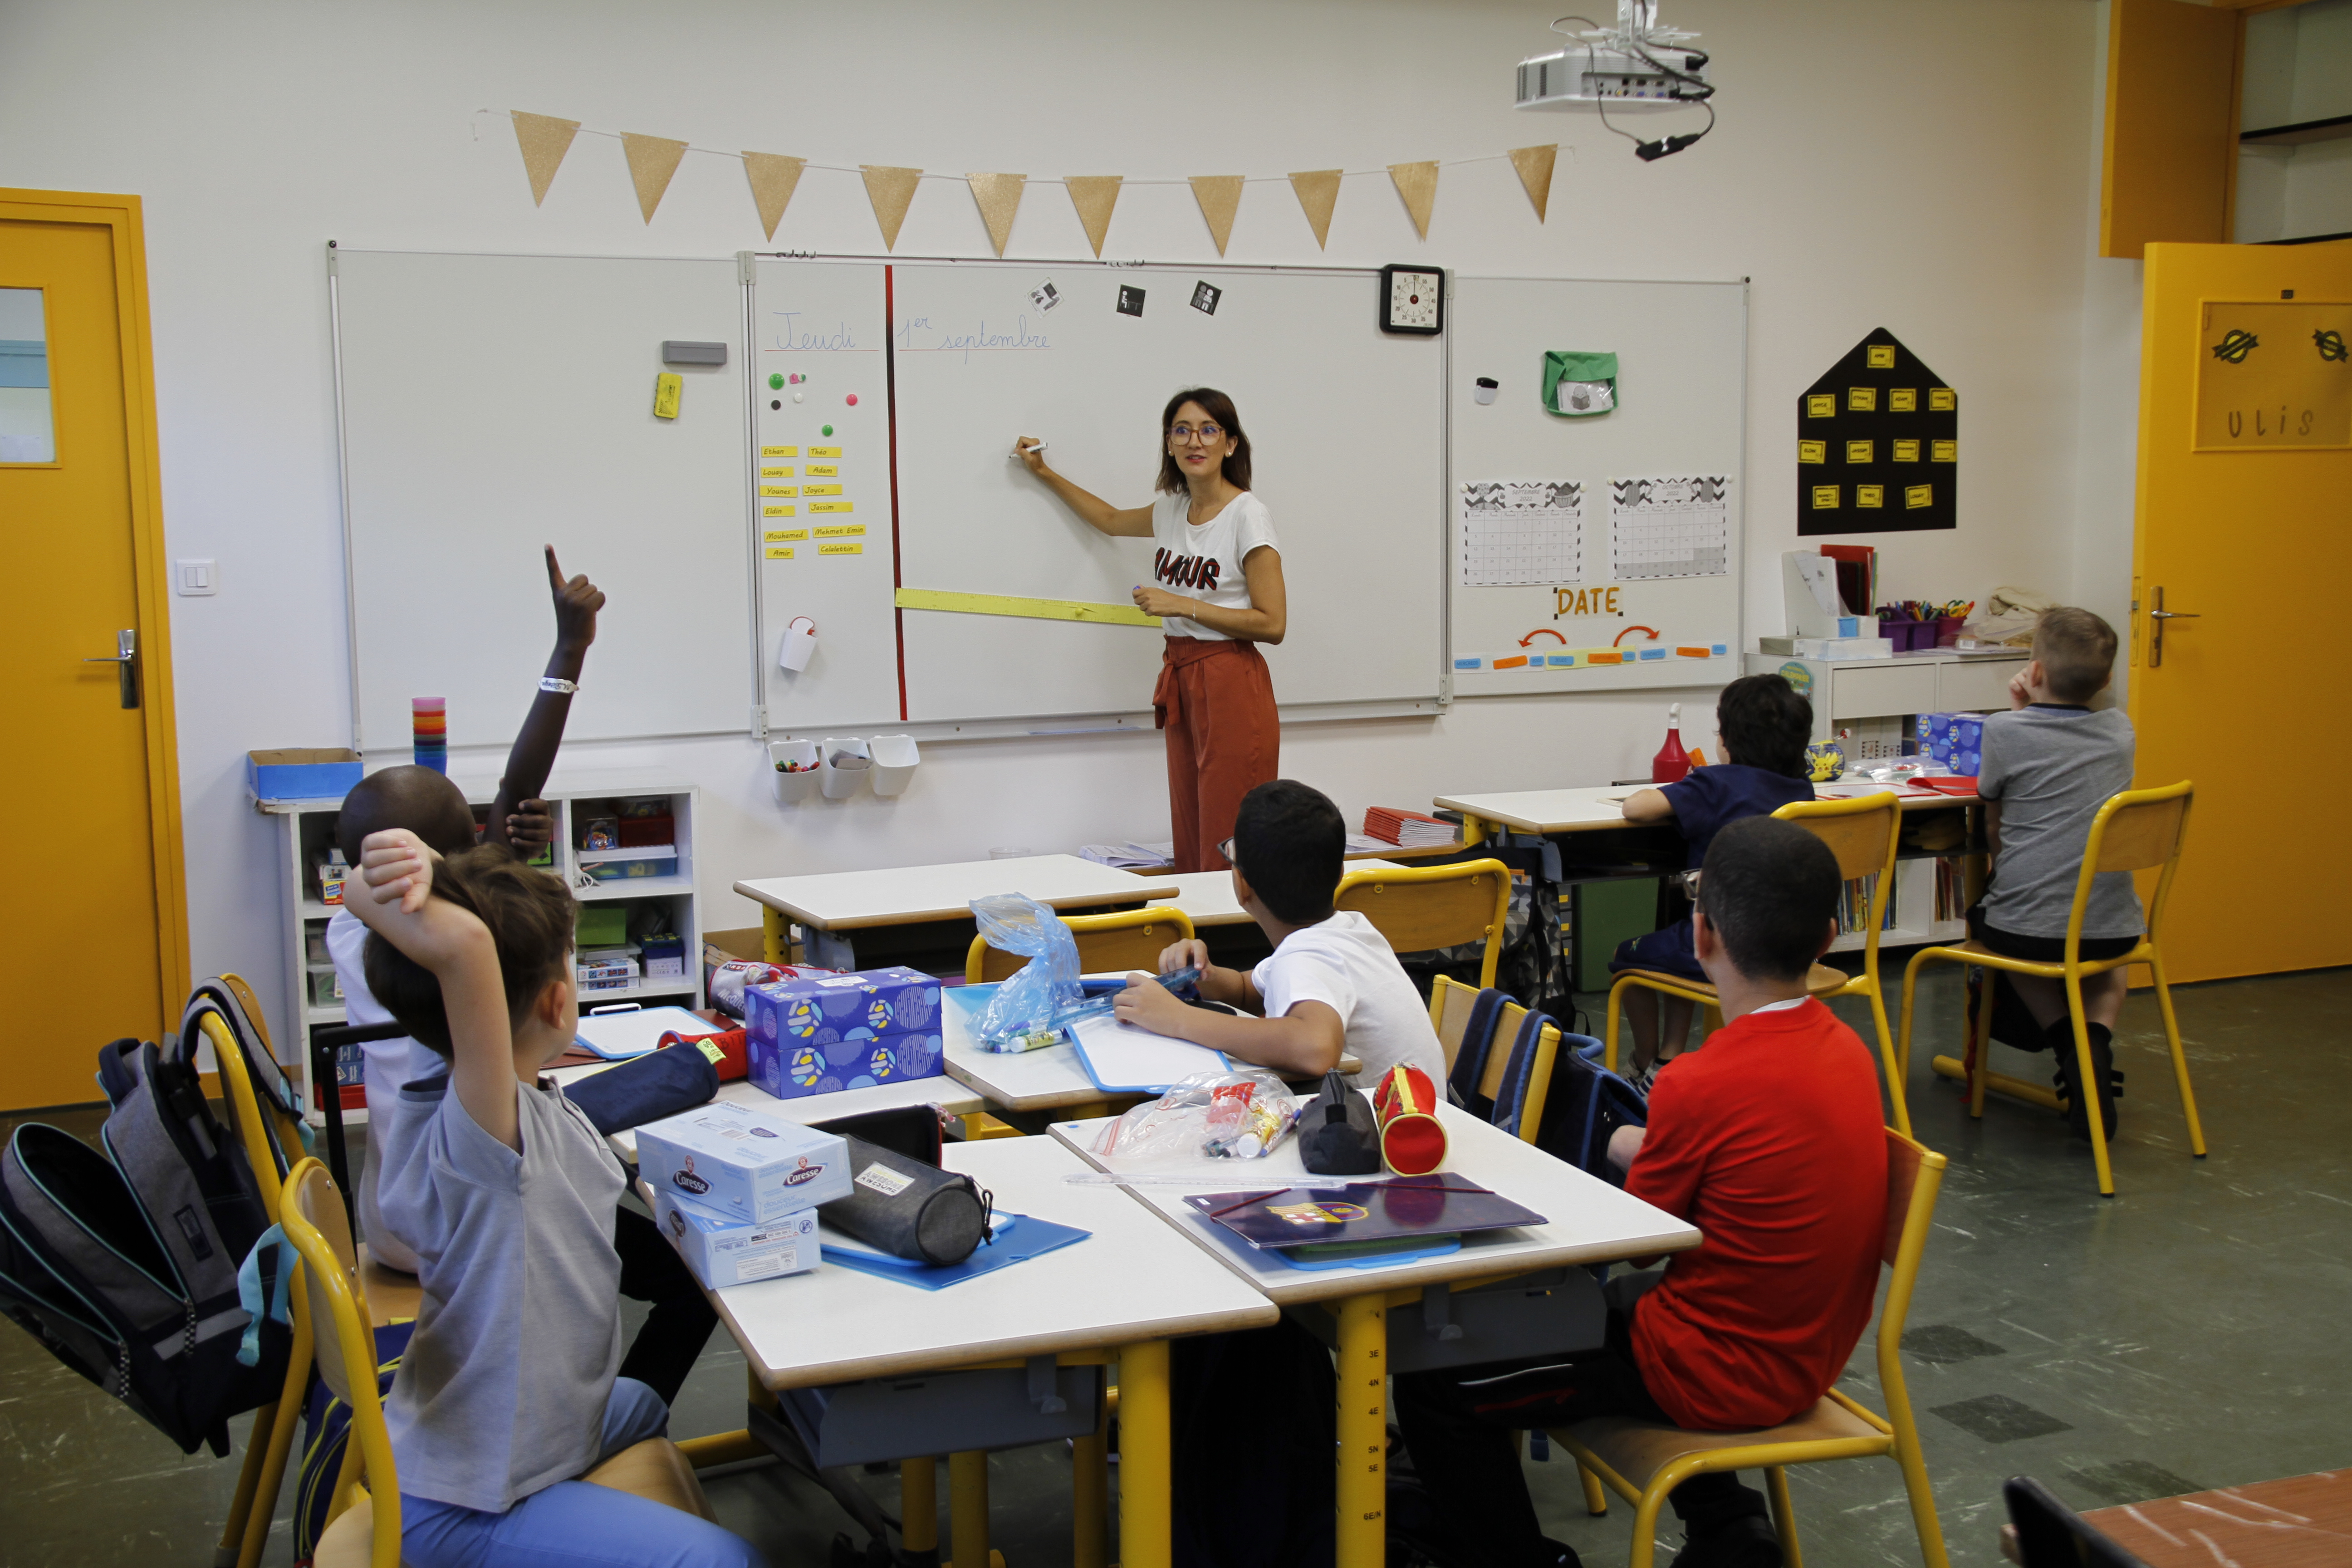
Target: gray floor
x=2179 y=1336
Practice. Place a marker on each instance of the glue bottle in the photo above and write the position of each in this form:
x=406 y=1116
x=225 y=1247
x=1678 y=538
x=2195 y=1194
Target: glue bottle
x=1672 y=763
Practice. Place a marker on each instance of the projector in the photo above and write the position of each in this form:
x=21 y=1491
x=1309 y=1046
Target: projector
x=1636 y=67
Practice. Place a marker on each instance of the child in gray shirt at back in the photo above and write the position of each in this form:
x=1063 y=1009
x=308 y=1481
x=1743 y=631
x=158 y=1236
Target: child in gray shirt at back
x=2049 y=764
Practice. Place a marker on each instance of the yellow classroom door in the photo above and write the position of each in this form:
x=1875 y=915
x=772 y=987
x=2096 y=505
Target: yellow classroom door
x=2241 y=567
x=94 y=928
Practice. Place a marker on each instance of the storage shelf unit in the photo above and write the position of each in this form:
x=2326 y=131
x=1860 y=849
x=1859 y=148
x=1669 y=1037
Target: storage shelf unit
x=307 y=830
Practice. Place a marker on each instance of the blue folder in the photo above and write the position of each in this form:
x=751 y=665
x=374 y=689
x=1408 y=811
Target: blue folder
x=1031 y=1238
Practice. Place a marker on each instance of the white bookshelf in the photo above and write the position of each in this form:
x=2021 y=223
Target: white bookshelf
x=1915 y=907
x=307 y=830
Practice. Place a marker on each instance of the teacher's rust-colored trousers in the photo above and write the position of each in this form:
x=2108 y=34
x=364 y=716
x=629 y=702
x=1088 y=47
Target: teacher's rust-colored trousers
x=1215 y=700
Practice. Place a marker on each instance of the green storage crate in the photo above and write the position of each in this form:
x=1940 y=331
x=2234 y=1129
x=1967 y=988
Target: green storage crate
x=1604 y=914
x=600 y=925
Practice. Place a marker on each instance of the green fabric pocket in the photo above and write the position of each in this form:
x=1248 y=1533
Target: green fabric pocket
x=1578 y=385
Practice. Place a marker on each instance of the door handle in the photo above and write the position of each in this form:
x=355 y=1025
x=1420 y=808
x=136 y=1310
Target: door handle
x=2155 y=634
x=125 y=660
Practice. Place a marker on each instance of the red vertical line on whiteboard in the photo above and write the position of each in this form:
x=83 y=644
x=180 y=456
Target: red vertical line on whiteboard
x=890 y=380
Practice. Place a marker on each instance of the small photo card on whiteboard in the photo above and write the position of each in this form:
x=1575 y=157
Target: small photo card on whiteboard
x=1130 y=299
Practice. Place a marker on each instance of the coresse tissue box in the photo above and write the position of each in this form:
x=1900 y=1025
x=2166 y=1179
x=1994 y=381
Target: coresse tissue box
x=723 y=1251
x=821 y=1033
x=741 y=1161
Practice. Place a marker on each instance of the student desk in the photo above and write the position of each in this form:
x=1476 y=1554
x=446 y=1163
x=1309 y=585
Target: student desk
x=1207 y=897
x=1587 y=1222
x=944 y=1092
x=836 y=904
x=1081 y=1304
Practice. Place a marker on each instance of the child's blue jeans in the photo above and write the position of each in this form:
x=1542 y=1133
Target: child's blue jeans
x=574 y=1524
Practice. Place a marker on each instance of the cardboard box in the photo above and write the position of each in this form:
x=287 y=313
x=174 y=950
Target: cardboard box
x=723 y=1251
x=741 y=1161
x=820 y=1034
x=1954 y=740
x=302 y=773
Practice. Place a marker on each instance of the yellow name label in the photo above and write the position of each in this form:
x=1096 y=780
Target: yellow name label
x=1861 y=399
x=1901 y=400
x=841 y=549
x=823 y=470
x=1942 y=400
x=780 y=451
x=1869 y=495
x=1906 y=451
x=779 y=489
x=780 y=552
x=781 y=472
x=1825 y=497
x=841 y=530
x=1882 y=356
x=818 y=506
x=783 y=535
x=1860 y=451
x=1919 y=495
x=1813 y=451
x=1821 y=405
x=1944 y=451
x=825 y=451
x=820 y=489
x=778 y=512
x=710 y=1047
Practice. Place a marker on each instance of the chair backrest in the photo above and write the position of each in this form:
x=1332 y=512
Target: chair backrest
x=1861 y=832
x=335 y=1305
x=264 y=1136
x=2135 y=829
x=1418 y=908
x=1499 y=1060
x=1915 y=1175
x=1127 y=939
x=1450 y=1003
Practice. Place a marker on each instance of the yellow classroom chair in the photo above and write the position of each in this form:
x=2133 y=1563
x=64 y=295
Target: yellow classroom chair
x=1126 y=939
x=1450 y=1001
x=1862 y=833
x=1642 y=1461
x=1507 y=1023
x=1418 y=908
x=2133 y=831
x=330 y=1300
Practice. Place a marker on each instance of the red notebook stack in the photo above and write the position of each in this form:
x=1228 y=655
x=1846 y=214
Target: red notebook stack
x=1407 y=830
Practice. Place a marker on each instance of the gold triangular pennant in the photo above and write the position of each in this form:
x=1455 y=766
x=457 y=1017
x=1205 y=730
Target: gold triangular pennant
x=890 y=189
x=1220 y=196
x=772 y=177
x=544 y=140
x=1534 y=165
x=652 y=160
x=1319 y=192
x=1094 y=195
x=998 y=197
x=1417 y=184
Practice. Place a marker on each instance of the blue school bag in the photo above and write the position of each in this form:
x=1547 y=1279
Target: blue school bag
x=1586 y=1102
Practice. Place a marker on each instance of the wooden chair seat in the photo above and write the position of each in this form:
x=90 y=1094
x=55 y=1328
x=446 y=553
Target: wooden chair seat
x=1638 y=1450
x=654 y=1469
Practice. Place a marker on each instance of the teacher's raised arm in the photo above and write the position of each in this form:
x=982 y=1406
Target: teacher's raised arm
x=1216 y=586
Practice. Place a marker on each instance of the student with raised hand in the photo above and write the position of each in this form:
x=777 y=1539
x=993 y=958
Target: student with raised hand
x=1770 y=1141
x=507 y=1392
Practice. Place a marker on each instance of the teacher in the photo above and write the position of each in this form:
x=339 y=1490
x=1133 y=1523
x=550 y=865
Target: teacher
x=1217 y=586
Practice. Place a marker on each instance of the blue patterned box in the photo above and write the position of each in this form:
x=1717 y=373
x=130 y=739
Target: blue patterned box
x=818 y=1034
x=1956 y=741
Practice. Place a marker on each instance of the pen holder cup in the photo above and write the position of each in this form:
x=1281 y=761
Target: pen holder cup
x=844 y=766
x=1906 y=635
x=895 y=759
x=797 y=783
x=1948 y=630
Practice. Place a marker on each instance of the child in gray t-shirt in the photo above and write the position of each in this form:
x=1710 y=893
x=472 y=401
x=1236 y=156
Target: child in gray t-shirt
x=507 y=1391
x=2049 y=764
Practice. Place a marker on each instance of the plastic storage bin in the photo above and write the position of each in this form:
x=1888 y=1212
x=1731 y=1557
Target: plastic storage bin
x=895 y=759
x=841 y=782
x=796 y=786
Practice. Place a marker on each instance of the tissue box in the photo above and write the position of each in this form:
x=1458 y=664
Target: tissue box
x=818 y=1034
x=1955 y=740
x=743 y=1163
x=723 y=1251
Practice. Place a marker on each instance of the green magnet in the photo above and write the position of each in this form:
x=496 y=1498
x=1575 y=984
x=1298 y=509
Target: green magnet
x=776 y=382
x=828 y=429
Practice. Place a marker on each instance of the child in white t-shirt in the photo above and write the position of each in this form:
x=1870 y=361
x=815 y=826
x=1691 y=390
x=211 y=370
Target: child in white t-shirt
x=1332 y=983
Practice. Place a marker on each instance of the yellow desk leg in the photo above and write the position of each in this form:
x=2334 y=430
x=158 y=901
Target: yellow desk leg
x=918 y=1504
x=1145 y=1514
x=1473 y=831
x=1363 y=1433
x=968 y=1507
x=776 y=933
x=1089 y=1501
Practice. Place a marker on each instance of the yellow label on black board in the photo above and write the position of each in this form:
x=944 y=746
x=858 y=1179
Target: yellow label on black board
x=825 y=451
x=1813 y=451
x=779 y=489
x=1869 y=495
x=780 y=451
x=1905 y=451
x=1919 y=495
x=1882 y=356
x=1821 y=405
x=1825 y=497
x=780 y=471
x=1861 y=399
x=822 y=471
x=776 y=512
x=1944 y=451
x=1942 y=400
x=783 y=535
x=780 y=552
x=839 y=530
x=841 y=549
x=820 y=489
x=818 y=506
x=1860 y=451
x=1903 y=400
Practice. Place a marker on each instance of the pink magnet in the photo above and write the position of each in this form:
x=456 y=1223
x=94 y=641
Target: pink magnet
x=796 y=381
x=853 y=400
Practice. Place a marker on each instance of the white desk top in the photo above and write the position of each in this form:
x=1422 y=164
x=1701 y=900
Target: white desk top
x=1129 y=1281
x=944 y=1092
x=1207 y=897
x=1596 y=807
x=1588 y=1221
x=844 y=901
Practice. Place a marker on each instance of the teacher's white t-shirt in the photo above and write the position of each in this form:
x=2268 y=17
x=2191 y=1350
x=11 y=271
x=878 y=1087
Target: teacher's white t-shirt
x=1204 y=563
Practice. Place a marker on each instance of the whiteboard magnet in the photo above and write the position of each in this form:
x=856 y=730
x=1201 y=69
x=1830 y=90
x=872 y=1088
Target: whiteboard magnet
x=1484 y=389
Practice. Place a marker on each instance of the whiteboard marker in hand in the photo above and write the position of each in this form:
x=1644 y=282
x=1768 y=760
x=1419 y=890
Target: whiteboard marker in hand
x=1023 y=448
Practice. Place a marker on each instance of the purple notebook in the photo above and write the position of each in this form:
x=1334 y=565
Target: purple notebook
x=1362 y=1211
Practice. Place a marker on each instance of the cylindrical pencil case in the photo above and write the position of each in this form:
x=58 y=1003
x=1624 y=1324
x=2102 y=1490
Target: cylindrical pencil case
x=1413 y=1139
x=907 y=1208
x=646 y=1088
x=731 y=1056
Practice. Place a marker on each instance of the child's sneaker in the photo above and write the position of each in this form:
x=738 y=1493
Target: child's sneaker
x=2110 y=1082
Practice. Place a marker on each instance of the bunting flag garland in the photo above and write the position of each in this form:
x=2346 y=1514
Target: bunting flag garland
x=1094 y=195
x=772 y=177
x=890 y=189
x=544 y=140
x=1417 y=184
x=1534 y=165
x=1220 y=196
x=1319 y=192
x=998 y=197
x=652 y=160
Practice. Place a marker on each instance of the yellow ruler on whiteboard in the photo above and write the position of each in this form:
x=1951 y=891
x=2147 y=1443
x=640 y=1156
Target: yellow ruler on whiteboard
x=1031 y=609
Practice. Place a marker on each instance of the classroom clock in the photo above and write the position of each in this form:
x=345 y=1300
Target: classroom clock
x=1412 y=299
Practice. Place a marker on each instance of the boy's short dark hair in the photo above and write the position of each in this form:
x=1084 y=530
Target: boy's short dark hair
x=1289 y=842
x=1766 y=722
x=530 y=915
x=1770 y=890
x=2077 y=650
x=419 y=799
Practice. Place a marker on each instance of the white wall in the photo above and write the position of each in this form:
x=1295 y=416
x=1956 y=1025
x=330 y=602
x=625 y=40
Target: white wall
x=1925 y=165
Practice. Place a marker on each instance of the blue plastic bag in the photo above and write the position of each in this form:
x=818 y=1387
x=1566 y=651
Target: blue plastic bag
x=1027 y=1012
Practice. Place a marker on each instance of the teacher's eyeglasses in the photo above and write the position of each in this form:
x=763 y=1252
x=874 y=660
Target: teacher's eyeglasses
x=1182 y=434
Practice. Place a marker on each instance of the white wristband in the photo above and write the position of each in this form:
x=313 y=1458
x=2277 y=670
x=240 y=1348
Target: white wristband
x=564 y=688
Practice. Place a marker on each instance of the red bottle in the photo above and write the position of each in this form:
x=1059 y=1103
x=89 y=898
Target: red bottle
x=1672 y=763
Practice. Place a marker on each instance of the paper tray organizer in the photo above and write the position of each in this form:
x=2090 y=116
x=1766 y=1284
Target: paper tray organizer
x=1555 y=1312
x=937 y=1412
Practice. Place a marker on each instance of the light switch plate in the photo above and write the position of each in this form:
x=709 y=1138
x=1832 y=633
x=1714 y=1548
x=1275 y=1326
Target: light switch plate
x=197 y=578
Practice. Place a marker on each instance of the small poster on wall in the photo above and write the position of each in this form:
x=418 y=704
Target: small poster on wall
x=1878 y=446
x=1522 y=533
x=1675 y=526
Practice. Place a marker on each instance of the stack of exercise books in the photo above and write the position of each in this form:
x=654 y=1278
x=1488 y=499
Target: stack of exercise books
x=1407 y=829
x=1132 y=856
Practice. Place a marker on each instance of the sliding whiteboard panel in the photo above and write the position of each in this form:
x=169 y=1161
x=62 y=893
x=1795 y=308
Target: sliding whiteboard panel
x=1345 y=423
x=492 y=404
x=1655 y=573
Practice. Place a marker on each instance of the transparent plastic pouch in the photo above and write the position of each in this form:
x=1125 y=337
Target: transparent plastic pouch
x=1239 y=1115
x=1027 y=1010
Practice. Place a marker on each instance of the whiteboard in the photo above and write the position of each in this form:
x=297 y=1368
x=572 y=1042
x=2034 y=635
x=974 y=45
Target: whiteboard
x=494 y=403
x=1682 y=380
x=1345 y=426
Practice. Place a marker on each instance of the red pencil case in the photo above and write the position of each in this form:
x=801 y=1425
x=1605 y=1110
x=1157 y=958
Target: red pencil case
x=732 y=1058
x=1413 y=1139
